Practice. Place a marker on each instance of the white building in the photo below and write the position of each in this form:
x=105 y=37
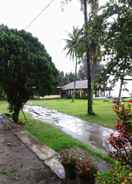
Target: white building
x=127 y=89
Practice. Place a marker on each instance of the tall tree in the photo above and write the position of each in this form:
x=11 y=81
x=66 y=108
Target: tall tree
x=90 y=48
x=74 y=50
x=25 y=67
x=90 y=51
x=118 y=40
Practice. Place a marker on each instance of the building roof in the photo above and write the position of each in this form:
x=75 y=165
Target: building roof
x=80 y=84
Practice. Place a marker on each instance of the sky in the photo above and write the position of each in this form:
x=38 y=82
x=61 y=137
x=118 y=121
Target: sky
x=51 y=28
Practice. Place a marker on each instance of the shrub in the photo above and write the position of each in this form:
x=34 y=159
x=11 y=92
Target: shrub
x=78 y=165
x=117 y=175
x=86 y=171
x=124 y=116
x=121 y=139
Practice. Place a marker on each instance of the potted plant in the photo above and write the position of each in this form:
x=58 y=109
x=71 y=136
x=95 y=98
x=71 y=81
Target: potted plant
x=68 y=160
x=86 y=171
x=78 y=166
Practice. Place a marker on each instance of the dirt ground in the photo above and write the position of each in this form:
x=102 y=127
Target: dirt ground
x=18 y=165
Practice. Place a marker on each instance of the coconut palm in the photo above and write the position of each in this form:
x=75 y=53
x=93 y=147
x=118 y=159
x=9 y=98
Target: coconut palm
x=94 y=8
x=73 y=48
x=89 y=52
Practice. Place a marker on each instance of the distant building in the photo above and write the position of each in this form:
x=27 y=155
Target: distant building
x=81 y=90
x=126 y=90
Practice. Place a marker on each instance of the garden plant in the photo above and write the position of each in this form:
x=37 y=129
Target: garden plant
x=121 y=139
x=78 y=165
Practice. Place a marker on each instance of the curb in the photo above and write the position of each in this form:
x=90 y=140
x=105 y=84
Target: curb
x=47 y=155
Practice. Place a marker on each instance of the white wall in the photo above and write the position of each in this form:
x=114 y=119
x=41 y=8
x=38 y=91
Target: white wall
x=115 y=90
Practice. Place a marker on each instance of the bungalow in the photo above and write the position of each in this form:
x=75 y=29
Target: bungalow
x=81 y=90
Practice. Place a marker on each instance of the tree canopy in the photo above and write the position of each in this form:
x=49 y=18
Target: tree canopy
x=25 y=68
x=118 y=40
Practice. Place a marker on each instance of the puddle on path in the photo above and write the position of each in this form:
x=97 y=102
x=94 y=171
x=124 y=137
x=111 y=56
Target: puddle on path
x=87 y=133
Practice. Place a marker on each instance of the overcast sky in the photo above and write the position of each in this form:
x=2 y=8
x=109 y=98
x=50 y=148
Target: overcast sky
x=51 y=27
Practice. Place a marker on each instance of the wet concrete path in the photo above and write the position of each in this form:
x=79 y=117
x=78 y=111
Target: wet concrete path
x=87 y=133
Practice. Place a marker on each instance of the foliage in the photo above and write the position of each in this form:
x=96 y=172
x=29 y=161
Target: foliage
x=2 y=94
x=74 y=47
x=74 y=44
x=120 y=142
x=25 y=68
x=121 y=139
x=96 y=69
x=76 y=41
x=78 y=163
x=124 y=116
x=85 y=168
x=66 y=78
x=117 y=40
x=68 y=159
x=89 y=42
x=117 y=175
x=95 y=32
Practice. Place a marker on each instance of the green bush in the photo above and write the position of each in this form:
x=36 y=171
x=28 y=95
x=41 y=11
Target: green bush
x=117 y=175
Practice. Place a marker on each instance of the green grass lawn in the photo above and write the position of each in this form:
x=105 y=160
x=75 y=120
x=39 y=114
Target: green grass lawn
x=103 y=109
x=57 y=140
x=53 y=137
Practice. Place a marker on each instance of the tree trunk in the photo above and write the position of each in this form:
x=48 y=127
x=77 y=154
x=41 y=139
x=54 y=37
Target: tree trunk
x=89 y=89
x=120 y=89
x=74 y=91
x=93 y=76
x=15 y=115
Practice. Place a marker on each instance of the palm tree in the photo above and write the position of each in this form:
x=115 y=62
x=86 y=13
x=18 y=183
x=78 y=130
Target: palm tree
x=74 y=51
x=90 y=53
x=94 y=7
